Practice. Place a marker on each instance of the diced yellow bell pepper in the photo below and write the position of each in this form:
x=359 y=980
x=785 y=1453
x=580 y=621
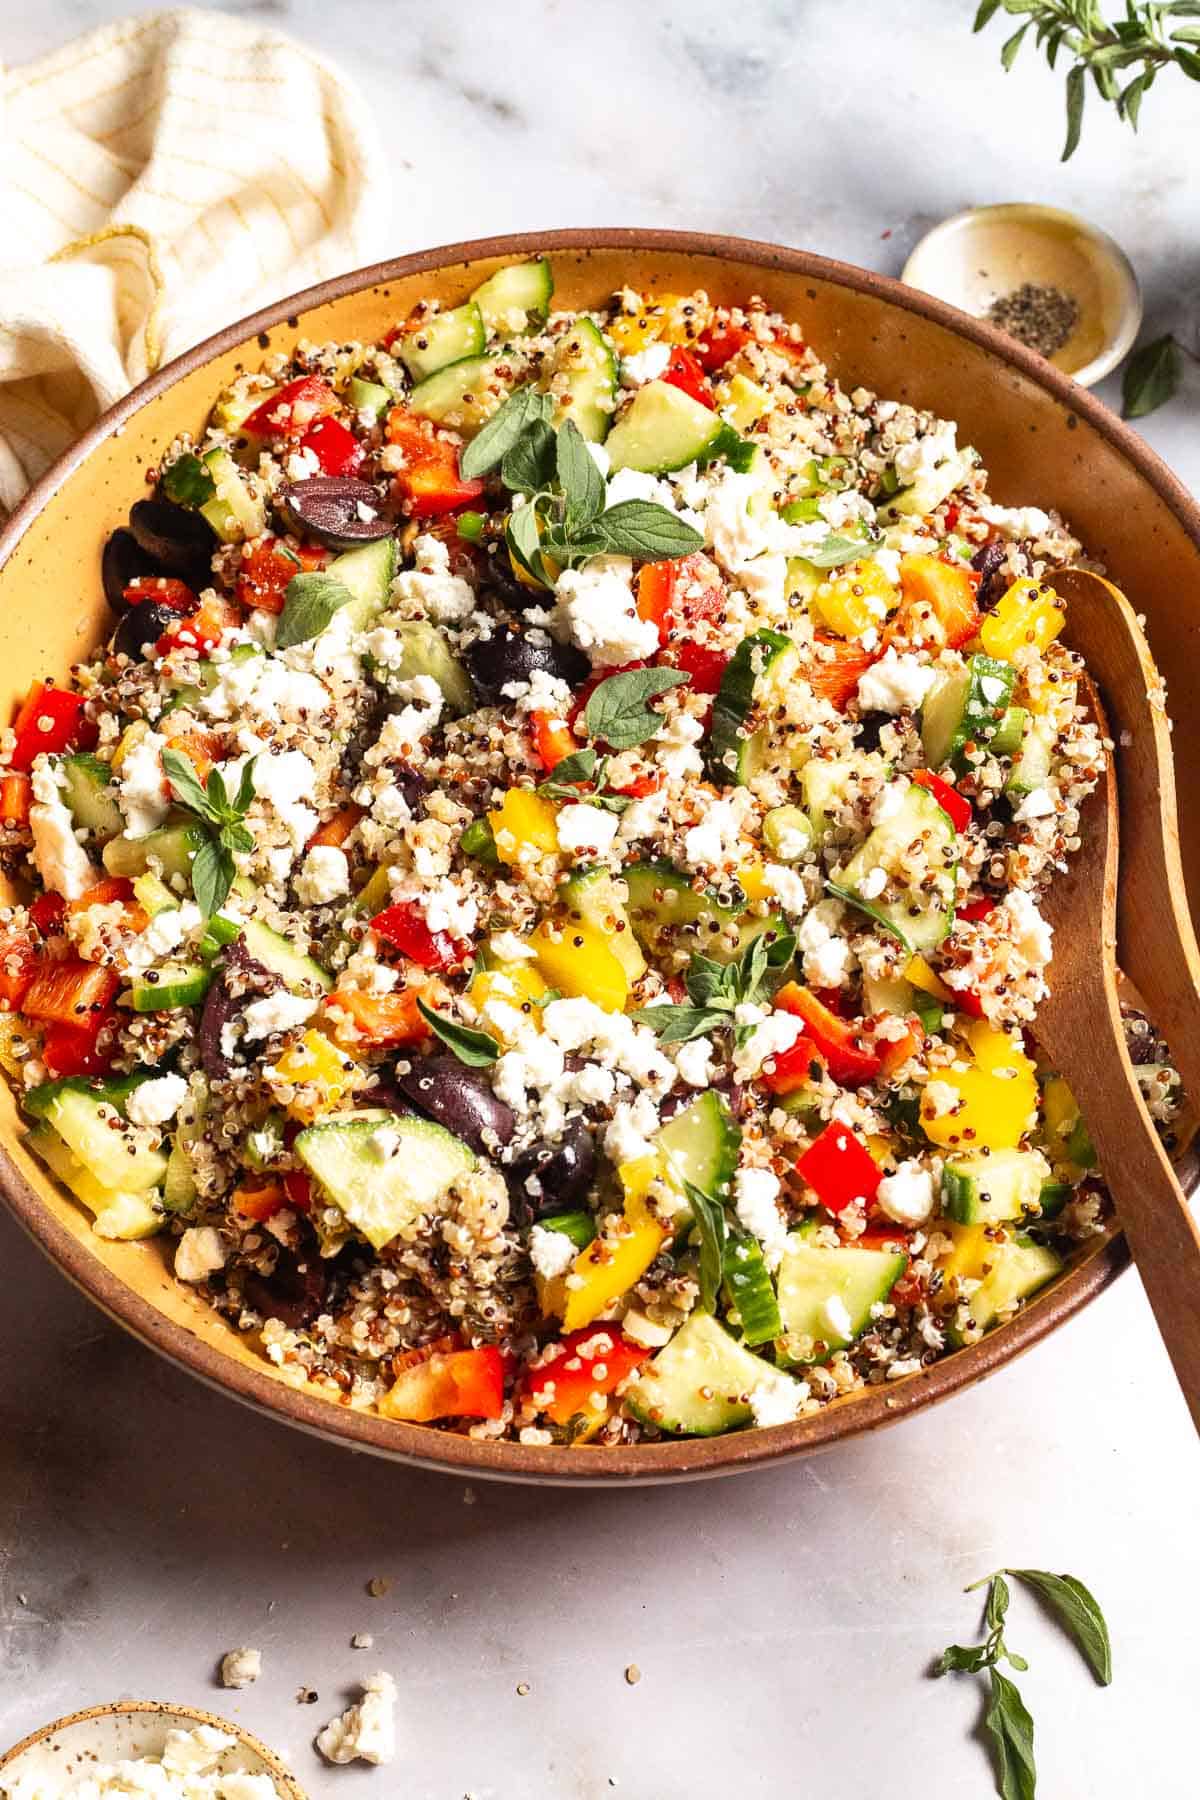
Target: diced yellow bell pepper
x=611 y=1264
x=523 y=820
x=131 y=735
x=753 y=882
x=998 y=1095
x=741 y=401
x=1026 y=614
x=576 y=959
x=322 y=1073
x=631 y=332
x=512 y=986
x=972 y=1253
x=17 y=1044
x=856 y=601
x=1060 y=1110
x=918 y=971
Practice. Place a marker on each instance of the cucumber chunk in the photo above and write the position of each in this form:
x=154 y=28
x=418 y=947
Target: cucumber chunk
x=368 y=399
x=1017 y=1268
x=964 y=706
x=750 y=1290
x=89 y=793
x=463 y=395
x=443 y=338
x=761 y=662
x=701 y=1383
x=424 y=651
x=384 y=1195
x=580 y=1227
x=663 y=429
x=170 y=986
x=671 y=920
x=1006 y=739
x=701 y=1144
x=275 y=952
x=167 y=852
x=368 y=573
x=591 y=376
x=84 y=1119
x=115 y=1214
x=515 y=299
x=919 y=916
x=988 y=1190
x=599 y=898
x=233 y=512
x=1031 y=765
x=826 y=1296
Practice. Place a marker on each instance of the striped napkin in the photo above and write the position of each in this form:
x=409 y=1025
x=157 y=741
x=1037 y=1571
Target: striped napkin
x=162 y=177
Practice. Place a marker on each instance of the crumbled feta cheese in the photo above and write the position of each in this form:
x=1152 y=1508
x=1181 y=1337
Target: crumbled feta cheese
x=445 y=598
x=366 y=1731
x=154 y=1102
x=550 y=1252
x=787 y=887
x=895 y=683
x=873 y=883
x=694 y=1062
x=756 y=1202
x=775 y=1399
x=276 y=1012
x=1039 y=804
x=770 y=1036
x=675 y=746
x=324 y=877
x=586 y=829
x=383 y=1143
x=1017 y=521
x=403 y=731
x=1018 y=920
x=828 y=958
x=60 y=859
x=451 y=909
x=717 y=839
x=141 y=788
x=924 y=454
x=889 y=801
x=906 y=1196
x=199 y=1253
x=507 y=947
x=285 y=782
x=645 y=365
x=597 y=611
x=941 y=1097
x=630 y=1131
x=240 y=1667
x=193 y=1765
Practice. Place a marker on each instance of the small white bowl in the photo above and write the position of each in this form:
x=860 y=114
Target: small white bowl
x=975 y=257
x=70 y=1748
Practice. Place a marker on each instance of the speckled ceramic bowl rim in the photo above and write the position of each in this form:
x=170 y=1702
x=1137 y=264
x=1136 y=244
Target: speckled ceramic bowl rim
x=289 y=1787
x=681 y=1459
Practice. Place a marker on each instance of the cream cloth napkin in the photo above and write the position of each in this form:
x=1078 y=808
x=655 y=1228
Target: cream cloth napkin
x=160 y=178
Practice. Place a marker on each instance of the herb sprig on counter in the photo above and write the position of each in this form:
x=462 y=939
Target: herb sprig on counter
x=213 y=867
x=562 y=518
x=1008 y=1719
x=1122 y=58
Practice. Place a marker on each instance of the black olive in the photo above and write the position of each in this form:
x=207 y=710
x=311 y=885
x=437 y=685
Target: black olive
x=142 y=626
x=509 y=656
x=238 y=981
x=180 y=540
x=460 y=1099
x=563 y=1172
x=331 y=508
x=294 y=1292
x=124 y=561
x=987 y=562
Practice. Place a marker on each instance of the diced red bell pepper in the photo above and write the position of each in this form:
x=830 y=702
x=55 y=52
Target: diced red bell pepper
x=447 y=1384
x=839 y=1168
x=592 y=1361
x=552 y=739
x=836 y=673
x=334 y=832
x=430 y=482
x=791 y=1069
x=835 y=1039
x=686 y=372
x=69 y=993
x=18 y=961
x=956 y=806
x=16 y=793
x=80 y=1050
x=335 y=447
x=113 y=890
x=676 y=595
x=163 y=590
x=719 y=345
x=704 y=667
x=369 y=1021
x=895 y=1051
x=404 y=926
x=977 y=909
x=640 y=785
x=293 y=410
x=297 y=1185
x=48 y=912
x=267 y=568
x=200 y=634
x=879 y=1237
x=50 y=719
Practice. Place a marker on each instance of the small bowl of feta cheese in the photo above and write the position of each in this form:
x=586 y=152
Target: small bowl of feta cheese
x=144 y=1747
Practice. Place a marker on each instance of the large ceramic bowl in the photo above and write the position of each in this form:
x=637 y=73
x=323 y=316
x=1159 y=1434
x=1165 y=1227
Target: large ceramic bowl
x=1044 y=440
x=69 y=1749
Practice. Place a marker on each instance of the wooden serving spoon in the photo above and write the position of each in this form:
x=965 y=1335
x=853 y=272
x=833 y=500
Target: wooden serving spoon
x=1079 y=1028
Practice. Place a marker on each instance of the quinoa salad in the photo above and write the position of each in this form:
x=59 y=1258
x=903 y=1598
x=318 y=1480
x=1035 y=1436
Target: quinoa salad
x=536 y=904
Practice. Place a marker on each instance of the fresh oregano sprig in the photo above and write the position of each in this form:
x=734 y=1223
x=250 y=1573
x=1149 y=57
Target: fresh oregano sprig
x=223 y=819
x=716 y=990
x=1008 y=1719
x=477 y=1049
x=1122 y=57
x=583 y=766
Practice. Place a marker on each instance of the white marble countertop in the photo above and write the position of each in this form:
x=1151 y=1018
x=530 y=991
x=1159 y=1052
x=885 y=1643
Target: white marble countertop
x=783 y=1622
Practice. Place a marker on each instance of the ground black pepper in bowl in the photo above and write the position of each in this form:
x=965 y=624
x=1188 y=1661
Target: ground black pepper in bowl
x=1038 y=315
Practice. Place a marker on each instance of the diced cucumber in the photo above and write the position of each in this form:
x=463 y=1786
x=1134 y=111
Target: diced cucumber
x=989 y=1190
x=930 y=488
x=170 y=986
x=669 y=918
x=826 y=1296
x=965 y=706
x=384 y=1195
x=479 y=841
x=167 y=851
x=153 y=895
x=115 y=1214
x=368 y=573
x=701 y=1383
x=919 y=915
x=788 y=833
x=750 y=1290
x=580 y=1227
x=274 y=952
x=232 y=410
x=368 y=398
x=441 y=339
x=264 y=1143
x=1031 y=765
x=91 y=1125
x=463 y=395
x=517 y=298
x=89 y=793
x=1006 y=739
x=888 y=994
x=743 y=402
x=701 y=1144
x=179 y=1185
x=1054 y=1197
x=824 y=781
x=424 y=651
x=599 y=897
x=233 y=512
x=662 y=429
x=761 y=663
x=1017 y=1268
x=590 y=369
x=218 y=933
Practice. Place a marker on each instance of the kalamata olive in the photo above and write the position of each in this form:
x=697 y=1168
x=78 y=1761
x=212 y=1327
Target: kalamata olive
x=143 y=625
x=294 y=1292
x=563 y=1172
x=987 y=561
x=510 y=655
x=338 y=510
x=412 y=785
x=461 y=1099
x=238 y=981
x=176 y=537
x=124 y=561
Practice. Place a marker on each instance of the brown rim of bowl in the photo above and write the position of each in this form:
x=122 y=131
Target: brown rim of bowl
x=681 y=1459
x=289 y=1787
